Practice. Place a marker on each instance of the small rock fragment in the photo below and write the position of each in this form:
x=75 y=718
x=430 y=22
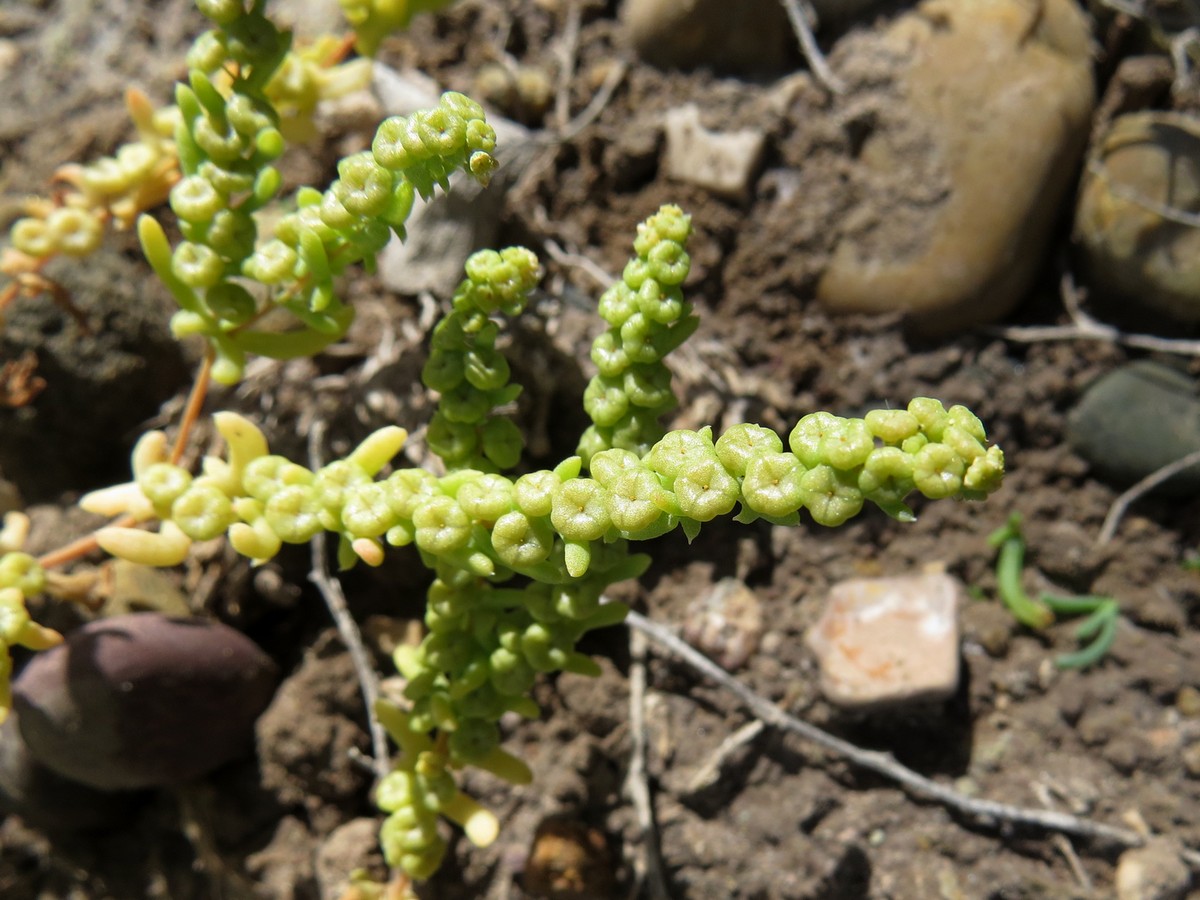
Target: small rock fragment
x=1152 y=872
x=143 y=700
x=724 y=163
x=569 y=861
x=726 y=625
x=888 y=641
x=1149 y=162
x=960 y=179
x=1135 y=420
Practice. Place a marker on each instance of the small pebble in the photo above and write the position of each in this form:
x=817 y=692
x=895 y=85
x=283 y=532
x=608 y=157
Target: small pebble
x=726 y=625
x=569 y=861
x=889 y=641
x=724 y=163
x=1152 y=872
x=1135 y=420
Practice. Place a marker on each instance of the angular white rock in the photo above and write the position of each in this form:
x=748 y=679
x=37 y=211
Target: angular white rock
x=888 y=641
x=725 y=163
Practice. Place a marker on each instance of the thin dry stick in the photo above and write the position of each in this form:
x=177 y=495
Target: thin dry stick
x=1085 y=328
x=637 y=782
x=569 y=48
x=195 y=402
x=804 y=18
x=335 y=600
x=708 y=774
x=1121 y=505
x=985 y=812
x=616 y=74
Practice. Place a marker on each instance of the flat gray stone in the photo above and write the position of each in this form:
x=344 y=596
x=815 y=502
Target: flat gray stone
x=724 y=163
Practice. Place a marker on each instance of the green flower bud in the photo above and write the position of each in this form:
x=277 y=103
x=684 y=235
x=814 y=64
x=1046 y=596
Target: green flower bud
x=367 y=509
x=231 y=233
x=265 y=475
x=196 y=265
x=473 y=740
x=704 y=490
x=649 y=387
x=521 y=542
x=294 y=513
x=207 y=53
x=246 y=115
x=194 y=199
x=985 y=472
x=230 y=302
x=932 y=416
x=738 y=446
x=486 y=497
x=637 y=501
x=830 y=496
x=162 y=483
x=272 y=263
x=609 y=356
x=605 y=401
x=33 y=238
x=772 y=485
x=808 y=437
x=679 y=450
x=607 y=466
x=444 y=370
x=22 y=571
x=892 y=426
x=236 y=177
x=511 y=676
x=334 y=213
x=442 y=525
x=534 y=493
x=203 y=512
x=448 y=651
x=502 y=442
x=75 y=232
x=364 y=186
x=486 y=370
x=223 y=12
x=221 y=143
x=848 y=446
x=617 y=304
x=452 y=441
x=938 y=471
x=408 y=488
x=576 y=601
x=668 y=263
x=395 y=792
x=580 y=510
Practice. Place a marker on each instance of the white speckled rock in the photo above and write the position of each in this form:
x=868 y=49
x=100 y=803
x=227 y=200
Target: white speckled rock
x=888 y=641
x=992 y=101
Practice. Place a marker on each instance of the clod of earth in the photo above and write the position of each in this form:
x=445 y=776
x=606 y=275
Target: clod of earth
x=143 y=700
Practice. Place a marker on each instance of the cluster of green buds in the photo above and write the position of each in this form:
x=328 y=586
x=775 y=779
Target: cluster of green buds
x=114 y=188
x=373 y=20
x=140 y=175
x=648 y=318
x=20 y=577
x=468 y=370
x=227 y=140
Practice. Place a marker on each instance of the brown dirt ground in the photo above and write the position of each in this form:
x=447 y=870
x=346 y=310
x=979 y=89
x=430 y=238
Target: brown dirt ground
x=786 y=821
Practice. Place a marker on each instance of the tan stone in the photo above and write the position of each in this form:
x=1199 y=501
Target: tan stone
x=996 y=96
x=888 y=641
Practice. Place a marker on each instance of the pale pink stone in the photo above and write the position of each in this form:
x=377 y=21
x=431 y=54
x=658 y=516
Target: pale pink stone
x=888 y=641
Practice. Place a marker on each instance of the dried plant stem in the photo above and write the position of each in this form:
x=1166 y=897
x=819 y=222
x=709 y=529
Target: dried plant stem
x=984 y=812
x=195 y=402
x=1121 y=505
x=335 y=599
x=803 y=18
x=637 y=783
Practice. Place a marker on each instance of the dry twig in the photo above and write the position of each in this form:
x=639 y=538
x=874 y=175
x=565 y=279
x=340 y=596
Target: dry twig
x=1085 y=328
x=983 y=812
x=1121 y=505
x=637 y=783
x=335 y=600
x=804 y=19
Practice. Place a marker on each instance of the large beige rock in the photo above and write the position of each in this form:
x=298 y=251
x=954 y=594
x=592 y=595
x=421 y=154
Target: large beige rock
x=992 y=104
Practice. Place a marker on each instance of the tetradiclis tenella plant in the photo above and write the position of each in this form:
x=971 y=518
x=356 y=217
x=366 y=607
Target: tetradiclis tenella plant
x=520 y=560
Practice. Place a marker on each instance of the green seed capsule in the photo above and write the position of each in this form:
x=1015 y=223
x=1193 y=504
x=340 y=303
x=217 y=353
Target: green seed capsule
x=580 y=510
x=202 y=512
